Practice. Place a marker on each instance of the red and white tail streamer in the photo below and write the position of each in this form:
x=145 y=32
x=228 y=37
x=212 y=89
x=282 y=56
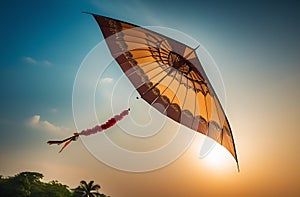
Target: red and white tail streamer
x=111 y=122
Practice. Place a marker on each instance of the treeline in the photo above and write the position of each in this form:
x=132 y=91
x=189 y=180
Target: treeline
x=30 y=184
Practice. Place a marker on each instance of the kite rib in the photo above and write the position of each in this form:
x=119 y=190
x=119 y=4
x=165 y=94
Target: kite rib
x=142 y=66
x=190 y=53
x=207 y=118
x=185 y=93
x=166 y=45
x=135 y=36
x=165 y=88
x=174 y=94
x=198 y=81
x=141 y=57
x=125 y=32
x=222 y=133
x=159 y=66
x=146 y=49
x=204 y=94
x=166 y=54
x=220 y=123
x=165 y=50
x=157 y=73
x=140 y=48
x=158 y=81
x=144 y=31
x=162 y=50
x=131 y=41
x=195 y=90
x=137 y=29
x=160 y=39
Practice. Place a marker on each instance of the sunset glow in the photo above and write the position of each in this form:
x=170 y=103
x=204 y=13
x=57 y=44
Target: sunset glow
x=255 y=44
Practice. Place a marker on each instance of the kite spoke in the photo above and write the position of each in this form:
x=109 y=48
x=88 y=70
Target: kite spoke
x=195 y=90
x=159 y=40
x=135 y=36
x=147 y=49
x=186 y=92
x=126 y=33
x=169 y=72
x=174 y=94
x=163 y=45
x=157 y=73
x=141 y=57
x=142 y=66
x=135 y=42
x=198 y=82
x=159 y=66
x=220 y=123
x=165 y=53
x=166 y=87
x=165 y=50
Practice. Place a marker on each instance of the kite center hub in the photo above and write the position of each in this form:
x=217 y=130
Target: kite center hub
x=179 y=62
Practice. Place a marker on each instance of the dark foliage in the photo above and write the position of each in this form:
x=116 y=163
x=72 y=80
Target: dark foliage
x=88 y=190
x=30 y=184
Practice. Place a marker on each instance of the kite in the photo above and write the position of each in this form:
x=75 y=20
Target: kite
x=168 y=73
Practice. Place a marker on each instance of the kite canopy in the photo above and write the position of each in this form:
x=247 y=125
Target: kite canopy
x=168 y=73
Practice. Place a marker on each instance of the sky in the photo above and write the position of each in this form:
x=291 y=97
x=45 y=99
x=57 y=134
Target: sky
x=255 y=44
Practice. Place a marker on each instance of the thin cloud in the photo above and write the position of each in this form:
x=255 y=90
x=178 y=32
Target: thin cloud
x=107 y=80
x=36 y=123
x=33 y=61
x=54 y=110
x=30 y=60
x=47 y=63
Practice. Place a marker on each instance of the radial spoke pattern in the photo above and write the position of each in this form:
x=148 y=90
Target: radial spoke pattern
x=169 y=73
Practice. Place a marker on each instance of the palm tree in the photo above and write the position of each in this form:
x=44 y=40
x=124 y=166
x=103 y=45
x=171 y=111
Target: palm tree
x=88 y=190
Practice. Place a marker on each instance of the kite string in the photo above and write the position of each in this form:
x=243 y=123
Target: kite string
x=111 y=122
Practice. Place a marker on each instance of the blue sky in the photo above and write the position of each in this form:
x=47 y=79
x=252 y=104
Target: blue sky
x=255 y=44
x=56 y=33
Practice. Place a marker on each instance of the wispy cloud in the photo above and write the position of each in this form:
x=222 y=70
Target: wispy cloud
x=47 y=63
x=36 y=123
x=107 y=80
x=54 y=110
x=31 y=60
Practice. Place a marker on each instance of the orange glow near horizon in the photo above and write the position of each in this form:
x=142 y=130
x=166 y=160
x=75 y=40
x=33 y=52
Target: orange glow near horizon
x=218 y=159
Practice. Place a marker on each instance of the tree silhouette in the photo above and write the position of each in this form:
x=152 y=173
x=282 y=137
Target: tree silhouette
x=87 y=189
x=30 y=184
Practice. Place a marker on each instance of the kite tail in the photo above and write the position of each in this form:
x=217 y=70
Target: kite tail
x=54 y=142
x=65 y=145
x=67 y=141
x=58 y=142
x=111 y=122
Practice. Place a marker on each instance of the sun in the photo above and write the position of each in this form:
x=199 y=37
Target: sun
x=218 y=159
x=214 y=156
